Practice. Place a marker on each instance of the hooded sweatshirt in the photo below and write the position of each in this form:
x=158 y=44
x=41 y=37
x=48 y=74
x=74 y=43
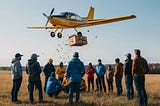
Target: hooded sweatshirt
x=90 y=72
x=33 y=70
x=60 y=71
x=53 y=85
x=16 y=69
x=75 y=70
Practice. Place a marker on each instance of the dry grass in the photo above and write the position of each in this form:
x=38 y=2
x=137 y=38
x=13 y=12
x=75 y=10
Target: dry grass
x=86 y=99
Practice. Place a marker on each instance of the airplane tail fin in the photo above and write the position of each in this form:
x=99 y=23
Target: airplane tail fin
x=90 y=14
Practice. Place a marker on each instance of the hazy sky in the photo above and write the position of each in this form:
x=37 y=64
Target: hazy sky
x=106 y=41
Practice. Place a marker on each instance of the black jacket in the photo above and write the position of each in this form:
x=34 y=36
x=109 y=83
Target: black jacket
x=33 y=70
x=128 y=67
x=48 y=69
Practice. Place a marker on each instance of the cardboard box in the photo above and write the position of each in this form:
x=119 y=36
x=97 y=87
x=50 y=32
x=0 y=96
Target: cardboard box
x=75 y=40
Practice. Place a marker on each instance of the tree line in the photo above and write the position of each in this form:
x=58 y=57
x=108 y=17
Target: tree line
x=154 y=68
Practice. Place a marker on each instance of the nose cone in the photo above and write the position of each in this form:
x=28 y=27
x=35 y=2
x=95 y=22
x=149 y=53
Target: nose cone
x=53 y=21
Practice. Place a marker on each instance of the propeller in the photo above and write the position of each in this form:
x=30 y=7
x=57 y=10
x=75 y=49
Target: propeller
x=48 y=17
x=52 y=11
x=45 y=15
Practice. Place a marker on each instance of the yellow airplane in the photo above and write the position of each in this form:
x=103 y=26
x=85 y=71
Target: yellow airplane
x=71 y=20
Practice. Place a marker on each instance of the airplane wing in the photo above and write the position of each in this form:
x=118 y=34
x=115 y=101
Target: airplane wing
x=88 y=23
x=47 y=27
x=104 y=21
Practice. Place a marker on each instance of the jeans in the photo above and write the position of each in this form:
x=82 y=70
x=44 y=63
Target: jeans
x=119 y=85
x=38 y=85
x=45 y=84
x=90 y=81
x=97 y=84
x=15 y=89
x=110 y=85
x=74 y=87
x=140 y=87
x=57 y=90
x=129 y=86
x=100 y=82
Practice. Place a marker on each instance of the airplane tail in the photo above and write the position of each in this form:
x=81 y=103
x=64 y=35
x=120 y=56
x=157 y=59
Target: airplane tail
x=90 y=14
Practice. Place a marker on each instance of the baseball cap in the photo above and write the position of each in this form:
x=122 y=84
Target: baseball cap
x=34 y=56
x=18 y=55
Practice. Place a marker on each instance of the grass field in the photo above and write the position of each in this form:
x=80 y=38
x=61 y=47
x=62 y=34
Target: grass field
x=86 y=99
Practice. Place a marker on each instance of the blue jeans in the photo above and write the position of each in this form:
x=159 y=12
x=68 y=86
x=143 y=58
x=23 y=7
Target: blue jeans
x=100 y=82
x=57 y=90
x=15 y=89
x=97 y=84
x=45 y=84
x=38 y=85
x=74 y=87
x=140 y=87
x=119 y=85
x=129 y=86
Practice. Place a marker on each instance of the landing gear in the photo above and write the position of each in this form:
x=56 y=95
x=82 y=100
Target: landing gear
x=59 y=35
x=79 y=33
x=52 y=34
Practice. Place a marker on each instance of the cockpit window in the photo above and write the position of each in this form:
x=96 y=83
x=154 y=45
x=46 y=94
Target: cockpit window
x=75 y=17
x=72 y=16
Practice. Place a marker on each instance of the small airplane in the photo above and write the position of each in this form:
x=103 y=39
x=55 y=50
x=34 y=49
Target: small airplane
x=71 y=20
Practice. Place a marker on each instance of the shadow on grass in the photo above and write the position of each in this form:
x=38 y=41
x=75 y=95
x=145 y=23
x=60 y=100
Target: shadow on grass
x=37 y=103
x=81 y=103
x=3 y=96
x=60 y=97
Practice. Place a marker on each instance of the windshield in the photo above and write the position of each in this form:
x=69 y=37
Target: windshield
x=72 y=16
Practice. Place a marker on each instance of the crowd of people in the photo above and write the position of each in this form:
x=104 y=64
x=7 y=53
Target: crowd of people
x=70 y=78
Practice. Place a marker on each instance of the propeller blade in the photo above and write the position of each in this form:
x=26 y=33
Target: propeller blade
x=47 y=22
x=51 y=12
x=45 y=15
x=48 y=17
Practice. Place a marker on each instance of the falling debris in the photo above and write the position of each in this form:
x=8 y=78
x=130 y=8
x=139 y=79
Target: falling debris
x=66 y=44
x=64 y=50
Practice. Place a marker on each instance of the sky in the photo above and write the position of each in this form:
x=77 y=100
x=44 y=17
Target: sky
x=106 y=42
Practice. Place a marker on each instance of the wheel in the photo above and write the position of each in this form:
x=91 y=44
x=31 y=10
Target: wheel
x=52 y=34
x=79 y=33
x=59 y=35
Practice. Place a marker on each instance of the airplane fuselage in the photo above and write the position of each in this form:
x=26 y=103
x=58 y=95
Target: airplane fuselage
x=64 y=22
x=66 y=19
